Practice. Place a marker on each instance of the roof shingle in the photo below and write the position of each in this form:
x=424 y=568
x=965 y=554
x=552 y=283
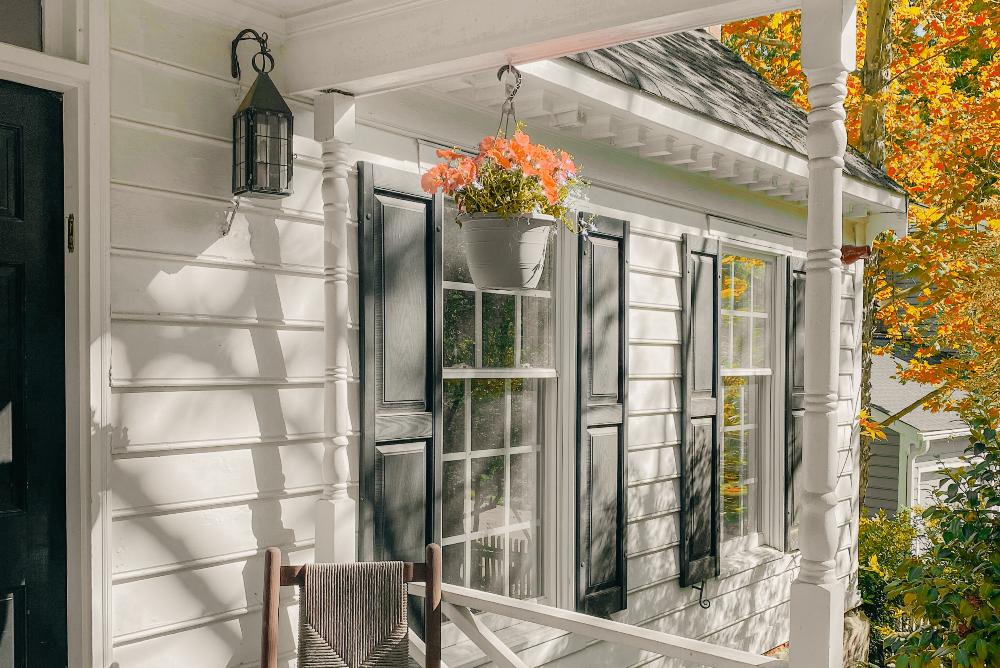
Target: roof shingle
x=696 y=71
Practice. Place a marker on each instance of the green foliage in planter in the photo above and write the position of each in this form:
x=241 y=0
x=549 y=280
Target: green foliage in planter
x=884 y=543
x=510 y=177
x=951 y=591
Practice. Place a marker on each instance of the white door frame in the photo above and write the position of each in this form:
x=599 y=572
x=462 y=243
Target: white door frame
x=86 y=159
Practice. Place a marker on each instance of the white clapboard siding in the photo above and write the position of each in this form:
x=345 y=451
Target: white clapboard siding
x=652 y=463
x=689 y=620
x=653 y=498
x=654 y=394
x=661 y=292
x=157 y=286
x=198 y=417
x=763 y=631
x=663 y=255
x=194 y=593
x=158 y=541
x=233 y=640
x=169 y=34
x=176 y=225
x=150 y=352
x=654 y=360
x=653 y=429
x=653 y=532
x=669 y=598
x=157 y=94
x=645 y=324
x=651 y=567
x=240 y=471
x=168 y=159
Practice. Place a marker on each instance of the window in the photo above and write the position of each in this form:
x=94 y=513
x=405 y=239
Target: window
x=499 y=381
x=746 y=343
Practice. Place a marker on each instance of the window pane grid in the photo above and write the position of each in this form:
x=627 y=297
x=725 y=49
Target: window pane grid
x=481 y=498
x=745 y=345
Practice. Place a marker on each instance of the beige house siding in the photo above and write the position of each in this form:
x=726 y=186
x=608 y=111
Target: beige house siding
x=217 y=365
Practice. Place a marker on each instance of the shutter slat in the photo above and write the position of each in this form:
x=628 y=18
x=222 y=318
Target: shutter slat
x=701 y=432
x=399 y=250
x=795 y=392
x=602 y=401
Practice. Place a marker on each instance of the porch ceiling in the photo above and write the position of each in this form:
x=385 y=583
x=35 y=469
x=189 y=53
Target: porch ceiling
x=368 y=46
x=567 y=98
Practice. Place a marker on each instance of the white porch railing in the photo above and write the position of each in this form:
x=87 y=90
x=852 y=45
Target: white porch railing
x=457 y=601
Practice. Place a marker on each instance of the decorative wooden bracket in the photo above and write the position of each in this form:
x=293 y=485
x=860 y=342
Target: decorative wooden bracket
x=851 y=254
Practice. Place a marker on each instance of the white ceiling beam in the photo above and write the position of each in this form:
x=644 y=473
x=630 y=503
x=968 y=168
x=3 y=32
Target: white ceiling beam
x=361 y=48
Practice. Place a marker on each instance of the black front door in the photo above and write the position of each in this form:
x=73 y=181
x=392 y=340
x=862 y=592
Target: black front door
x=32 y=381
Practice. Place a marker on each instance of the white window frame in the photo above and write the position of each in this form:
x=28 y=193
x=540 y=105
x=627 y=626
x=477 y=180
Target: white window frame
x=771 y=435
x=557 y=461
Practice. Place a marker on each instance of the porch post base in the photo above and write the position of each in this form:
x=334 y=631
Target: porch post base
x=817 y=625
x=336 y=530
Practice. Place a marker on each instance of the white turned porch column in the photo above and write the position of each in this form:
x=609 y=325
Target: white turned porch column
x=817 y=598
x=336 y=510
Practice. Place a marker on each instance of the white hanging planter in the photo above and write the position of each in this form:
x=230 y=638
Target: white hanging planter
x=506 y=253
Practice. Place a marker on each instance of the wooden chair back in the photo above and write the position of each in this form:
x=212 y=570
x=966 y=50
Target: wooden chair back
x=277 y=576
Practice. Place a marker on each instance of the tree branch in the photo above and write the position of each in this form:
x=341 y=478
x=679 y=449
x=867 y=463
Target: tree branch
x=902 y=412
x=934 y=55
x=767 y=41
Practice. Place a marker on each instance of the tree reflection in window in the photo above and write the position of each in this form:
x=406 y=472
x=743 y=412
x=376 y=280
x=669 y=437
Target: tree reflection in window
x=498 y=357
x=744 y=342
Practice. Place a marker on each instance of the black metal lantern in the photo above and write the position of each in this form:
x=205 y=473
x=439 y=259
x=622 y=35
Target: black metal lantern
x=262 y=130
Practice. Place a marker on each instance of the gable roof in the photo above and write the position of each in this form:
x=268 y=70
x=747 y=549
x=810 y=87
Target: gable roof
x=696 y=71
x=890 y=396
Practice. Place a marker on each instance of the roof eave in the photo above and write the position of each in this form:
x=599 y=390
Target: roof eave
x=671 y=117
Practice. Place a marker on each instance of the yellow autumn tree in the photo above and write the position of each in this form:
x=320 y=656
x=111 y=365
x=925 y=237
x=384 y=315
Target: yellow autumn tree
x=924 y=104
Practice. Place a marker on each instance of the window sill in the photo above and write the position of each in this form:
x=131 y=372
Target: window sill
x=739 y=562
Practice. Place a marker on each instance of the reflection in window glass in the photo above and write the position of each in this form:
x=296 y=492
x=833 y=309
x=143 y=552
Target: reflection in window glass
x=455 y=268
x=454 y=416
x=740 y=456
x=490 y=487
x=746 y=303
x=745 y=353
x=488 y=403
x=459 y=328
x=498 y=359
x=498 y=330
x=536 y=332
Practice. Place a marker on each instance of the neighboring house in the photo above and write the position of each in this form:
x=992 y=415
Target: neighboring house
x=906 y=467
x=318 y=373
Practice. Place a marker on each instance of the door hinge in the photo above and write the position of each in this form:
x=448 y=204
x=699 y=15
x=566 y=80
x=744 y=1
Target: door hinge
x=70 y=233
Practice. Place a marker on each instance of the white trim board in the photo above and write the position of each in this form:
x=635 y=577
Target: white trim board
x=85 y=89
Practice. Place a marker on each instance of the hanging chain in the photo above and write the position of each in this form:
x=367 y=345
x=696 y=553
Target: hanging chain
x=507 y=113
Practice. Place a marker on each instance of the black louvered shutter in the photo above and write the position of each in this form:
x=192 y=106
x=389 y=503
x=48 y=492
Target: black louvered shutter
x=701 y=427
x=400 y=277
x=603 y=418
x=795 y=392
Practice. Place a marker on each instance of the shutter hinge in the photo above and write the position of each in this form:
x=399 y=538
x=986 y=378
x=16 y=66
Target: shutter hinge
x=70 y=233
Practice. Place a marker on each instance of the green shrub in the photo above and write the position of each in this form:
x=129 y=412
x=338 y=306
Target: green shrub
x=951 y=591
x=884 y=543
